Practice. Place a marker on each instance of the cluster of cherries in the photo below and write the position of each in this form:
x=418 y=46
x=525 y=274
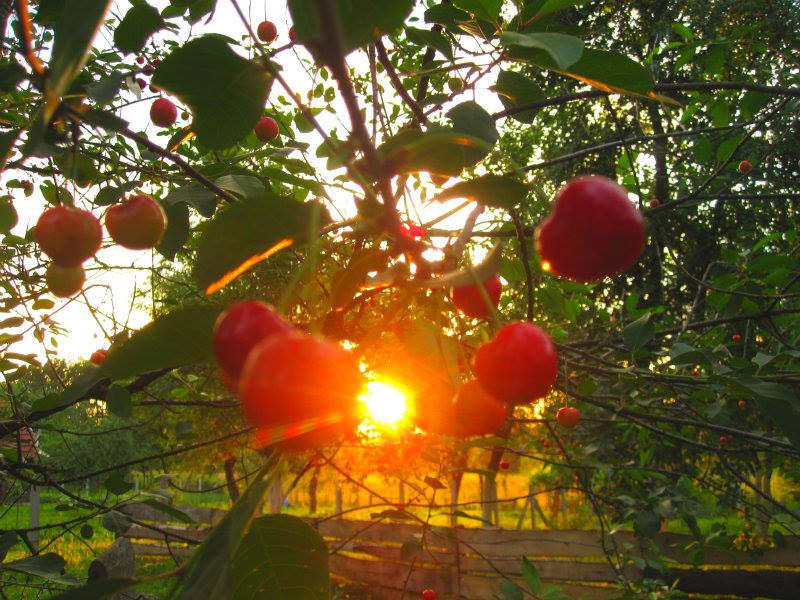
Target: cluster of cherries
x=298 y=391
x=70 y=236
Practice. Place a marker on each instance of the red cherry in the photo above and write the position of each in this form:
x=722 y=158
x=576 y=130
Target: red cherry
x=137 y=223
x=99 y=357
x=568 y=416
x=594 y=231
x=292 y=35
x=156 y=61
x=69 y=236
x=300 y=391
x=140 y=60
x=695 y=373
x=469 y=300
x=148 y=69
x=154 y=89
x=477 y=412
x=412 y=231
x=266 y=129
x=518 y=365
x=725 y=439
x=736 y=338
x=745 y=167
x=504 y=465
x=654 y=203
x=240 y=329
x=741 y=403
x=163 y=112
x=266 y=31
x=429 y=594
x=64 y=282
x=141 y=83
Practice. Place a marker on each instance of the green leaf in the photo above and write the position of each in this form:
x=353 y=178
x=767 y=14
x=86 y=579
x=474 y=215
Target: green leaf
x=280 y=557
x=565 y=50
x=638 y=333
x=108 y=196
x=608 y=71
x=210 y=571
x=140 y=22
x=178 y=338
x=195 y=195
x=471 y=118
x=116 y=483
x=118 y=400
x=482 y=9
x=361 y=21
x=553 y=6
x=11 y=75
x=516 y=90
x=107 y=88
x=167 y=509
x=510 y=590
x=444 y=14
x=434 y=39
x=346 y=283
x=781 y=403
x=225 y=92
x=245 y=186
x=87 y=531
x=97 y=589
x=442 y=152
x=531 y=575
x=647 y=524
x=177 y=232
x=116 y=522
x=246 y=233
x=48 y=566
x=498 y=191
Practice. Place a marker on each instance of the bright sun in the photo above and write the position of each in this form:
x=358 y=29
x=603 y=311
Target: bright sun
x=386 y=403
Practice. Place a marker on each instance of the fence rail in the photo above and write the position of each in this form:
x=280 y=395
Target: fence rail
x=465 y=563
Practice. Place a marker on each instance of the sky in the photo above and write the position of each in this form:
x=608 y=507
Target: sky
x=114 y=279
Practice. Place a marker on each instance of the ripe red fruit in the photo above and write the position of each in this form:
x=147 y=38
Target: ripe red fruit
x=745 y=167
x=654 y=203
x=429 y=594
x=412 y=231
x=137 y=223
x=736 y=338
x=240 y=329
x=695 y=373
x=504 y=465
x=518 y=365
x=300 y=391
x=64 y=282
x=140 y=60
x=741 y=403
x=68 y=235
x=148 y=69
x=469 y=300
x=141 y=83
x=725 y=439
x=266 y=31
x=476 y=412
x=594 y=231
x=568 y=416
x=266 y=129
x=99 y=357
x=292 y=35
x=163 y=112
x=156 y=61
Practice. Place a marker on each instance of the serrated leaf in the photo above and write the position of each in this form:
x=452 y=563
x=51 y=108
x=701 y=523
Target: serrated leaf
x=246 y=233
x=118 y=400
x=498 y=191
x=179 y=338
x=361 y=21
x=638 y=333
x=107 y=88
x=139 y=23
x=565 y=50
x=281 y=556
x=225 y=92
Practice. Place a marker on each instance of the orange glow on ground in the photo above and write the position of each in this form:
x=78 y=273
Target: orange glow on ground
x=386 y=408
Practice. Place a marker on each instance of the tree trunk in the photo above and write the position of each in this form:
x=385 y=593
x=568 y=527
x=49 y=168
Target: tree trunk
x=230 y=479
x=312 y=493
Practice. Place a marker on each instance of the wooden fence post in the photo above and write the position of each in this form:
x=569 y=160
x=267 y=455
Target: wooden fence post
x=338 y=499
x=34 y=503
x=117 y=561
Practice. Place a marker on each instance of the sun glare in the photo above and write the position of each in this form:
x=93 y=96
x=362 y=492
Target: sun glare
x=385 y=403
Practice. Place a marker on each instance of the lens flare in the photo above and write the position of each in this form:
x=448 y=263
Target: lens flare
x=385 y=404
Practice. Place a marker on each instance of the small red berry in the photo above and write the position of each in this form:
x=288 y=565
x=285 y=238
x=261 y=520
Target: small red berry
x=504 y=465
x=266 y=31
x=141 y=83
x=240 y=329
x=429 y=594
x=292 y=35
x=140 y=60
x=148 y=69
x=469 y=300
x=741 y=403
x=266 y=129
x=745 y=167
x=68 y=235
x=156 y=62
x=736 y=338
x=163 y=112
x=594 y=231
x=654 y=203
x=695 y=373
x=412 y=231
x=99 y=357
x=568 y=416
x=519 y=364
